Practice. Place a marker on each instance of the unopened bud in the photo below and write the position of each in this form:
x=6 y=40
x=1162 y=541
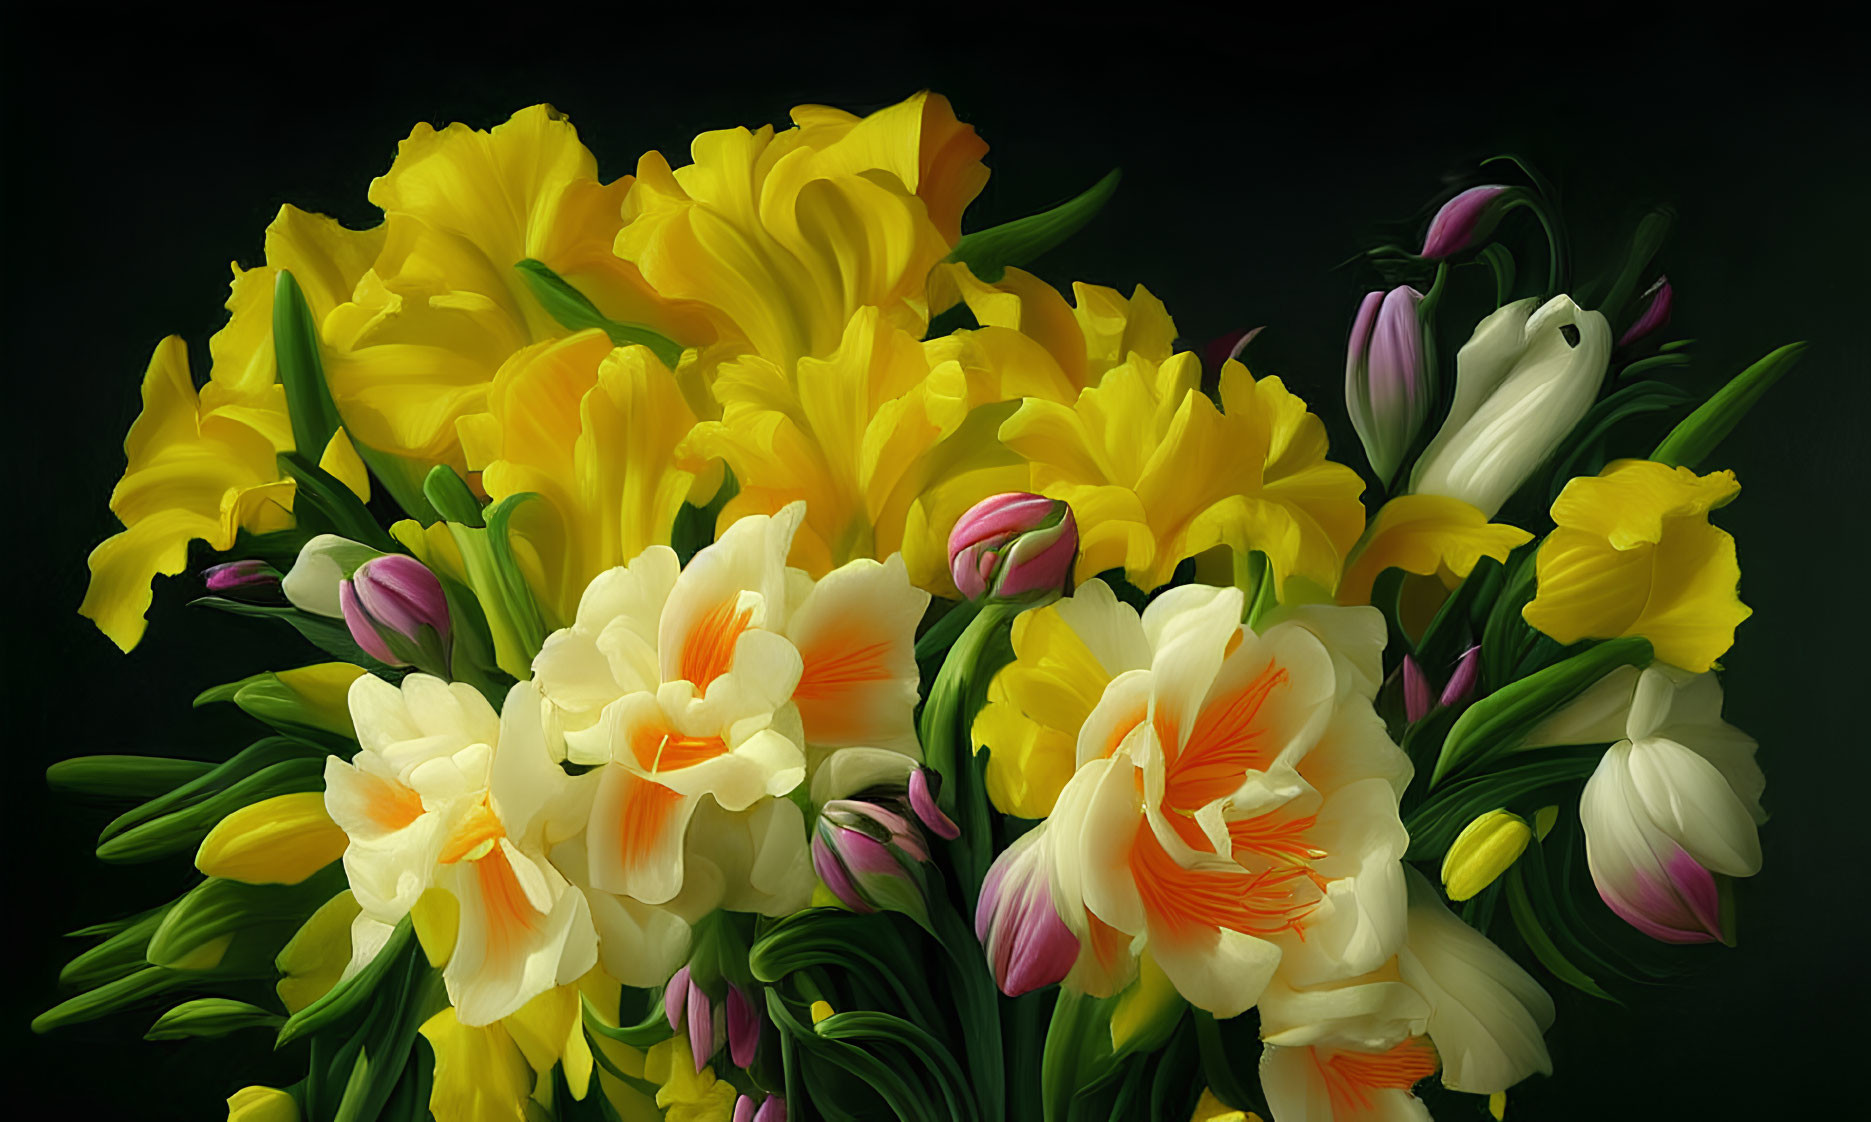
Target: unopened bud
x=1013 y=545
x=1483 y=851
x=397 y=612
x=251 y=575
x=864 y=853
x=1386 y=377
x=1465 y=220
x=1659 y=300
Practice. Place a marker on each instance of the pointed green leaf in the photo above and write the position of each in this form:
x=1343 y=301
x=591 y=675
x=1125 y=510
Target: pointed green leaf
x=1699 y=433
x=576 y=312
x=124 y=777
x=448 y=493
x=987 y=253
x=210 y=1016
x=295 y=349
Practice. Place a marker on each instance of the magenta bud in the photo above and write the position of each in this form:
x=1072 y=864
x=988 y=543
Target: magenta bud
x=743 y=1109
x=923 y=802
x=1387 y=377
x=1027 y=944
x=250 y=575
x=1418 y=699
x=1462 y=679
x=743 y=1028
x=701 y=1026
x=397 y=612
x=1013 y=545
x=676 y=998
x=1659 y=299
x=1463 y=221
x=773 y=1110
x=863 y=853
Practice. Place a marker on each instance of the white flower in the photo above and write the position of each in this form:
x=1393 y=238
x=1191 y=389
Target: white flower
x=443 y=795
x=1522 y=381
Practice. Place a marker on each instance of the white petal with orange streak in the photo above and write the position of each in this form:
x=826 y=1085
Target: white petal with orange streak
x=1360 y=922
x=638 y=944
x=744 y=569
x=1296 y=1091
x=1123 y=708
x=1220 y=970
x=635 y=836
x=393 y=845
x=856 y=635
x=1094 y=842
x=524 y=930
x=1190 y=645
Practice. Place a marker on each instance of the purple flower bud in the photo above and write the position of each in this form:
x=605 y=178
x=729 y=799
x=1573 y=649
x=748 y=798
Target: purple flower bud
x=1463 y=221
x=1417 y=698
x=1028 y=945
x=773 y=1110
x=675 y=998
x=743 y=1109
x=1462 y=680
x=743 y=1028
x=250 y=575
x=1659 y=300
x=1013 y=545
x=863 y=851
x=1387 y=377
x=701 y=1026
x=397 y=612
x=1228 y=347
x=922 y=800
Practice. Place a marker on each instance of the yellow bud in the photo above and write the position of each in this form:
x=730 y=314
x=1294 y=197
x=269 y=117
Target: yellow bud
x=261 y=1104
x=1212 y=1109
x=281 y=840
x=1497 y=1104
x=1483 y=851
x=820 y=1011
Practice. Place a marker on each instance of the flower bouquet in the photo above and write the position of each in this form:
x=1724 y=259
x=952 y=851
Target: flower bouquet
x=770 y=656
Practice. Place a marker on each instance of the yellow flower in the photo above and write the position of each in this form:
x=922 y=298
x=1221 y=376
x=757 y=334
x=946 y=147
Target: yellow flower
x=686 y=1095
x=783 y=236
x=488 y=1073
x=1212 y=1109
x=1635 y=554
x=262 y=1104
x=204 y=465
x=592 y=430
x=1430 y=535
x=1156 y=473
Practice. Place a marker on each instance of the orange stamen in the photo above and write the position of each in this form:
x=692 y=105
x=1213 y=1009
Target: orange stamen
x=709 y=650
x=1223 y=746
x=1182 y=901
x=648 y=807
x=1350 y=1077
x=478 y=828
x=661 y=749
x=1270 y=837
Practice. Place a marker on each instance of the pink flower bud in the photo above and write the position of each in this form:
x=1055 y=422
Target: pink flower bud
x=1013 y=545
x=1417 y=698
x=1463 y=221
x=395 y=609
x=1462 y=680
x=743 y=1028
x=772 y=1110
x=701 y=1025
x=863 y=852
x=1659 y=299
x=923 y=802
x=676 y=998
x=1028 y=945
x=250 y=575
x=1387 y=377
x=743 y=1109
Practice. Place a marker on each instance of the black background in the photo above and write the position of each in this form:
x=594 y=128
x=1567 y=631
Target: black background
x=140 y=158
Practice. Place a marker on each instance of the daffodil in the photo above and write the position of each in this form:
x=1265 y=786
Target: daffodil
x=684 y=1093
x=1156 y=473
x=443 y=794
x=780 y=237
x=704 y=695
x=1429 y=535
x=1232 y=806
x=1635 y=554
x=203 y=464
x=590 y=429
x=488 y=1073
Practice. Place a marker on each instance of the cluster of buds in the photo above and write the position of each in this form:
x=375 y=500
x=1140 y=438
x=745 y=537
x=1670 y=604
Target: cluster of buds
x=1420 y=698
x=392 y=604
x=1012 y=546
x=866 y=849
x=711 y=1022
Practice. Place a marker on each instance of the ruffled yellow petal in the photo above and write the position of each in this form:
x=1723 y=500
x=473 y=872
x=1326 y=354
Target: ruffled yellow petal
x=281 y=840
x=687 y=1095
x=1635 y=554
x=480 y=1074
x=1430 y=535
x=1036 y=705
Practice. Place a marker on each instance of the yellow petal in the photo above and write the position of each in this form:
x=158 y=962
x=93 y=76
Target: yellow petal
x=312 y=962
x=262 y=1104
x=1144 y=1004
x=1484 y=850
x=437 y=919
x=281 y=840
x=480 y=1074
x=1211 y=1109
x=341 y=460
x=324 y=688
x=1427 y=535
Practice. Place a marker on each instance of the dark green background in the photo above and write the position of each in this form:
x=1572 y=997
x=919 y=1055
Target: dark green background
x=1258 y=154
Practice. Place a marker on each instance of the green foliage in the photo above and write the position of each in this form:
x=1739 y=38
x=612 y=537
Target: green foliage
x=989 y=252
x=576 y=312
x=277 y=765
x=1701 y=432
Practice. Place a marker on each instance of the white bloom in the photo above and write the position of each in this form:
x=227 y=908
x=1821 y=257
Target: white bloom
x=1522 y=381
x=443 y=795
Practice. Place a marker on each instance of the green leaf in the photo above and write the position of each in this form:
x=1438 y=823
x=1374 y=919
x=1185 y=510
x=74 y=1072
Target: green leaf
x=253 y=758
x=1651 y=232
x=210 y=1016
x=493 y=571
x=354 y=993
x=1582 y=450
x=959 y=691
x=1699 y=433
x=987 y=253
x=327 y=634
x=1434 y=825
x=323 y=504
x=449 y=494
x=1541 y=943
x=313 y=414
x=695 y=525
x=576 y=312
x=1498 y=720
x=264 y=916
x=121 y=954
x=1223 y=1059
x=1078 y=1058
x=183 y=828
x=110 y=997
x=907 y=1100
x=123 y=777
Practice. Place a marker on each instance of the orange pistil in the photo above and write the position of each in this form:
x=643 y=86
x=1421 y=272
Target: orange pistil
x=709 y=650
x=473 y=835
x=1351 y=1077
x=662 y=749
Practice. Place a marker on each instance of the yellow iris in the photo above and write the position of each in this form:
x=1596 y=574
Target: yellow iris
x=1635 y=554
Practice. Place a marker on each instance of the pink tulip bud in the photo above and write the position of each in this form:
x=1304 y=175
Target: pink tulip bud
x=1462 y=679
x=1013 y=545
x=863 y=853
x=923 y=802
x=250 y=575
x=743 y=1028
x=1027 y=944
x=1659 y=299
x=701 y=1025
x=676 y=998
x=772 y=1110
x=1387 y=377
x=395 y=609
x=1464 y=220
x=743 y=1109
x=1417 y=697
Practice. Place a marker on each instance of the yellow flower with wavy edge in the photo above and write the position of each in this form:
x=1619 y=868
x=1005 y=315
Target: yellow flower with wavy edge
x=203 y=465
x=488 y=1073
x=1211 y=1109
x=592 y=430
x=1634 y=554
x=419 y=341
x=686 y=1095
x=783 y=235
x=1156 y=473
x=1429 y=535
